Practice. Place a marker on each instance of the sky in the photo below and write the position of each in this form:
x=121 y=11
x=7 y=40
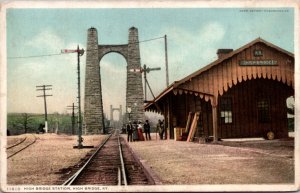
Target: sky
x=193 y=36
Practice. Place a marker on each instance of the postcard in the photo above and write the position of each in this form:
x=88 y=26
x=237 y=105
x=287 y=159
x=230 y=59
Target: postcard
x=149 y=96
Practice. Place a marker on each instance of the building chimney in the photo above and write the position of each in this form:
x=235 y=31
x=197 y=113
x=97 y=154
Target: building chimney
x=223 y=52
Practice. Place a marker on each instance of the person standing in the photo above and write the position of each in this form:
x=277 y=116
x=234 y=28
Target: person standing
x=147 y=130
x=129 y=132
x=135 y=131
x=140 y=131
x=160 y=128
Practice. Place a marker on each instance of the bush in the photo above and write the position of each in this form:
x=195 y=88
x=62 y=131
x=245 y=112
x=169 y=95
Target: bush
x=15 y=123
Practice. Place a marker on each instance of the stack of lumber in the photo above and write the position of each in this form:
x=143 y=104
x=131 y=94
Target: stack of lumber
x=187 y=133
x=188 y=123
x=193 y=127
x=186 y=130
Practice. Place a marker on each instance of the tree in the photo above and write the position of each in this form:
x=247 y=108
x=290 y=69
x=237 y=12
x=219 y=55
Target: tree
x=26 y=119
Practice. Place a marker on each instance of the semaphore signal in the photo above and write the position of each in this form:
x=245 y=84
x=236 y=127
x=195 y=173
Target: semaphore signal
x=79 y=53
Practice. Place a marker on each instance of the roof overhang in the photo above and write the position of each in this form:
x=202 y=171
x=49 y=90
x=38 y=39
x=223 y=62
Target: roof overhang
x=175 y=89
x=175 y=86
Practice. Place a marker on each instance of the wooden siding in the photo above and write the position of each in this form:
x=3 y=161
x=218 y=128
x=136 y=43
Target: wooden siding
x=245 y=84
x=223 y=76
x=245 y=97
x=182 y=104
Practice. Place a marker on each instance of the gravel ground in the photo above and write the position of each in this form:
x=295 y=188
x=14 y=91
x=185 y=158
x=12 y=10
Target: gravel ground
x=38 y=164
x=256 y=162
x=174 y=162
x=15 y=139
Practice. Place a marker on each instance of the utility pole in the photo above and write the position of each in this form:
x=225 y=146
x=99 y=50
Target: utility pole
x=73 y=117
x=44 y=88
x=145 y=79
x=79 y=53
x=146 y=70
x=166 y=61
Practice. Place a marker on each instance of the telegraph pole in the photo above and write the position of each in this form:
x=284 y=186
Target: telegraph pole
x=166 y=61
x=145 y=79
x=73 y=117
x=44 y=88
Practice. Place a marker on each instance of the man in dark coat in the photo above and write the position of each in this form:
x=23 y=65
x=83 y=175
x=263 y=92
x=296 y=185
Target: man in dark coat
x=129 y=132
x=147 y=130
x=161 y=128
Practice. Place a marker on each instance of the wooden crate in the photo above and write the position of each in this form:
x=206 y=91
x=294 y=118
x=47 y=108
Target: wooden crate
x=178 y=133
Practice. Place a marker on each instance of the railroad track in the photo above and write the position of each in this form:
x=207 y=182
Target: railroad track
x=17 y=143
x=20 y=146
x=112 y=164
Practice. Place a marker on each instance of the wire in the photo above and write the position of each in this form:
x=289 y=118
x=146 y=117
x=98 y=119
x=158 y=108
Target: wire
x=134 y=42
x=150 y=39
x=46 y=55
x=36 y=56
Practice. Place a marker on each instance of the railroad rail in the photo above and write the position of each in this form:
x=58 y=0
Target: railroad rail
x=18 y=143
x=20 y=146
x=111 y=164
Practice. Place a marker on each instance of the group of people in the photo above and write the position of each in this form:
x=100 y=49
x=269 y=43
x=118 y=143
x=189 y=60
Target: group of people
x=135 y=130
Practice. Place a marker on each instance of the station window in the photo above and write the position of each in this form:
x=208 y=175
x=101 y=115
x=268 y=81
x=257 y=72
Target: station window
x=263 y=108
x=226 y=110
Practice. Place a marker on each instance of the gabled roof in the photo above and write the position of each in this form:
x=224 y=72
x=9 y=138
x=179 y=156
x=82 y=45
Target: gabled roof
x=229 y=55
x=216 y=62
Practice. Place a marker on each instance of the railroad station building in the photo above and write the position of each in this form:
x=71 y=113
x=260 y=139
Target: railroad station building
x=241 y=94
